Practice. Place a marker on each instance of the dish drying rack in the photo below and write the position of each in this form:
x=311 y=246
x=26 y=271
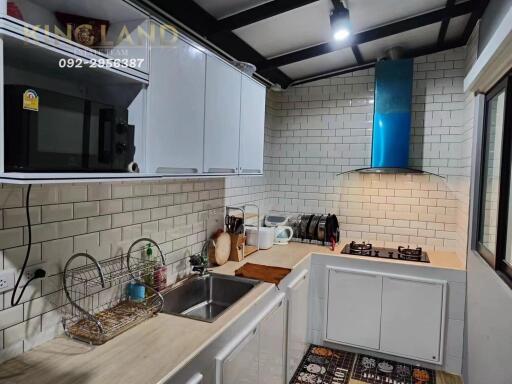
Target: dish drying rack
x=245 y=214
x=96 y=323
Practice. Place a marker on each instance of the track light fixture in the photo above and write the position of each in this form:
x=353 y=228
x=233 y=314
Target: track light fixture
x=340 y=21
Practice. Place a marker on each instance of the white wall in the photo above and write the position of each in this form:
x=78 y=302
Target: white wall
x=324 y=128
x=488 y=333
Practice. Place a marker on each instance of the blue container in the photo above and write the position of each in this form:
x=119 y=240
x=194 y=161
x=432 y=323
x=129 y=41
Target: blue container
x=136 y=292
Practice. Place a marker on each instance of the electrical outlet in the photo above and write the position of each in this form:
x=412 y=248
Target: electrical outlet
x=6 y=280
x=30 y=272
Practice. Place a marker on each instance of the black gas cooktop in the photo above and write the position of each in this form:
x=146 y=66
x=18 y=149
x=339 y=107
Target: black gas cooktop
x=401 y=253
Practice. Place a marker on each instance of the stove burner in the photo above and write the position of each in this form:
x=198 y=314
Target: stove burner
x=400 y=253
x=410 y=254
x=361 y=248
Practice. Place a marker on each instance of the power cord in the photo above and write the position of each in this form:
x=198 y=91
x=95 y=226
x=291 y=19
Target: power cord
x=40 y=273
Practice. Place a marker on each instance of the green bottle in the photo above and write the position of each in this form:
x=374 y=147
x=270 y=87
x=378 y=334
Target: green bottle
x=149 y=278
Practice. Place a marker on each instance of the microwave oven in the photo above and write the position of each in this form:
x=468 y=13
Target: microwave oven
x=47 y=131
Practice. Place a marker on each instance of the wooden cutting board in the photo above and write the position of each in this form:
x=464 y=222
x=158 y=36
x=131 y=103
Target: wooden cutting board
x=220 y=249
x=264 y=273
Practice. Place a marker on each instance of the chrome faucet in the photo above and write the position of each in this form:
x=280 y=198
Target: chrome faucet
x=200 y=261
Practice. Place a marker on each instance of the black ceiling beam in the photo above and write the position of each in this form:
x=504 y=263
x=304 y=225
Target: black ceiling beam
x=477 y=13
x=408 y=54
x=357 y=55
x=444 y=25
x=326 y=75
x=370 y=35
x=200 y=21
x=258 y=13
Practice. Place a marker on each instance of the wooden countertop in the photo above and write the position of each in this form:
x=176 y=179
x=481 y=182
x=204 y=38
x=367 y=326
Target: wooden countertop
x=158 y=348
x=289 y=256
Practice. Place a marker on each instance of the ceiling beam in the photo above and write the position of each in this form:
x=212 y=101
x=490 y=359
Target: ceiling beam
x=357 y=55
x=444 y=25
x=477 y=13
x=200 y=21
x=325 y=75
x=258 y=13
x=408 y=54
x=370 y=35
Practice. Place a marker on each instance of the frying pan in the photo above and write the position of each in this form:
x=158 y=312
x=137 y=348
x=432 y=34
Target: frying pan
x=313 y=227
x=332 y=230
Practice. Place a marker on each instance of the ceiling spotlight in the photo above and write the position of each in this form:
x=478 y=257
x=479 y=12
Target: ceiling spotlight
x=340 y=21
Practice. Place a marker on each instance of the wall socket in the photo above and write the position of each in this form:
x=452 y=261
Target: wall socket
x=6 y=280
x=30 y=271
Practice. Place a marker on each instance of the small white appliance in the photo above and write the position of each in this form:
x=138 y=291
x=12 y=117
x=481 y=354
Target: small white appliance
x=282 y=233
x=275 y=221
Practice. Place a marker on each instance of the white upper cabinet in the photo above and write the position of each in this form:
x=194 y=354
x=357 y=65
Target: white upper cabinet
x=353 y=308
x=252 y=127
x=222 y=117
x=412 y=318
x=176 y=108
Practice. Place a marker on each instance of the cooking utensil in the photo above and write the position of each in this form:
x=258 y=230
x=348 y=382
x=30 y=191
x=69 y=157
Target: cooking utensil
x=304 y=224
x=332 y=229
x=313 y=227
x=320 y=233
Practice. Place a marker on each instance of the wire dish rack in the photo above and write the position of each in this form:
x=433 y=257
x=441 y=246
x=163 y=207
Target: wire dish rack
x=99 y=307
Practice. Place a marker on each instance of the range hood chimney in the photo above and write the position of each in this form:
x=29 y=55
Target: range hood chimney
x=392 y=116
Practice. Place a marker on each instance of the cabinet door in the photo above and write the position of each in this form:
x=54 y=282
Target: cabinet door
x=252 y=127
x=272 y=347
x=353 y=308
x=298 y=298
x=241 y=366
x=176 y=109
x=222 y=114
x=412 y=318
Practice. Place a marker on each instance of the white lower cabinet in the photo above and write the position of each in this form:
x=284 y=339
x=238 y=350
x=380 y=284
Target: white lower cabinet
x=412 y=318
x=298 y=309
x=257 y=354
x=241 y=366
x=353 y=308
x=394 y=314
x=272 y=346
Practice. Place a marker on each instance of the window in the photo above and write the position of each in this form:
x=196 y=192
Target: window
x=494 y=240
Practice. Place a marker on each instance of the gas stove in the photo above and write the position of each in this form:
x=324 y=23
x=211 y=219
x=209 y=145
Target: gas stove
x=401 y=253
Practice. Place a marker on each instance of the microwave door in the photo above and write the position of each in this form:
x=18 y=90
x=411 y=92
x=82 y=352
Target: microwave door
x=57 y=140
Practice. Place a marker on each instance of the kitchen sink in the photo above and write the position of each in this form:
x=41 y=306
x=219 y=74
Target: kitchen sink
x=206 y=297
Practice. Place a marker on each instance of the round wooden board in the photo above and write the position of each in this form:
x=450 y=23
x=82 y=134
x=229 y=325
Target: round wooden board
x=220 y=253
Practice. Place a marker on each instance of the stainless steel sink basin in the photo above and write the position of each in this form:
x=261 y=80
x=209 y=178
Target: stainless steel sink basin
x=205 y=298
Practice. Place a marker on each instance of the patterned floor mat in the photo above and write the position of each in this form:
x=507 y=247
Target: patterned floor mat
x=324 y=366
x=373 y=370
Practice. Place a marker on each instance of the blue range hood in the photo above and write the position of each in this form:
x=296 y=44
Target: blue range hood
x=392 y=118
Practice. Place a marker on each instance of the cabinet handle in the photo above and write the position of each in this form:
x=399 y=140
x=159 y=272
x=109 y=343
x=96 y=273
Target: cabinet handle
x=176 y=170
x=251 y=171
x=221 y=170
x=196 y=379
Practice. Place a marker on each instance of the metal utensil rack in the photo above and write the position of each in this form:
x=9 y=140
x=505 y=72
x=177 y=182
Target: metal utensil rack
x=93 y=323
x=245 y=215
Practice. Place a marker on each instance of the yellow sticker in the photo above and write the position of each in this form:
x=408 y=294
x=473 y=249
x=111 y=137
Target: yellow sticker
x=31 y=100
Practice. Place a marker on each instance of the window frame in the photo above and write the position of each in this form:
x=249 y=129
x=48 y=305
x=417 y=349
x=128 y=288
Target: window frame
x=497 y=260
